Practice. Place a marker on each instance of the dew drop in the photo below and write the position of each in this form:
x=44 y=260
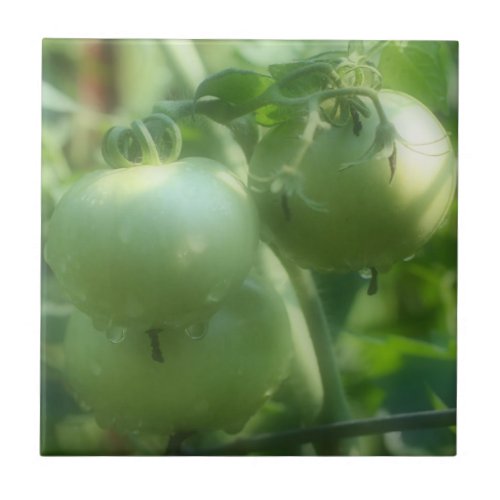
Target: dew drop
x=115 y=334
x=197 y=331
x=410 y=257
x=366 y=273
x=218 y=291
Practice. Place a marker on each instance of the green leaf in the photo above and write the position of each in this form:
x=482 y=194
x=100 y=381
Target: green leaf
x=246 y=133
x=234 y=85
x=419 y=69
x=272 y=114
x=219 y=111
x=310 y=76
x=279 y=71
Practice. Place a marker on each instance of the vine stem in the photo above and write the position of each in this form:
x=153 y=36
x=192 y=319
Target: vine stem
x=307 y=138
x=335 y=405
x=271 y=96
x=338 y=430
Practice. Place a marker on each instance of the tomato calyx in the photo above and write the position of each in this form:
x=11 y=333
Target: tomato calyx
x=357 y=125
x=287 y=182
x=383 y=146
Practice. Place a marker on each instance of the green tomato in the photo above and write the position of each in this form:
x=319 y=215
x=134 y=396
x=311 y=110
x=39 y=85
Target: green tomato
x=216 y=382
x=335 y=212
x=153 y=246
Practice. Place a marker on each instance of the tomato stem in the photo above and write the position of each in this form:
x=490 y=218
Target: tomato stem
x=335 y=405
x=224 y=112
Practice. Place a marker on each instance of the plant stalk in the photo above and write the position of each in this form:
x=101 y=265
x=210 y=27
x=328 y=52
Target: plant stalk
x=335 y=405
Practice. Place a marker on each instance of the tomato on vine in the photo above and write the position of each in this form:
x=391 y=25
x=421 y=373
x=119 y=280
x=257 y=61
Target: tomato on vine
x=146 y=247
x=217 y=382
x=356 y=199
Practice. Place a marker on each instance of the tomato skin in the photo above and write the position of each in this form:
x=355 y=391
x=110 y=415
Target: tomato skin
x=367 y=220
x=150 y=246
x=217 y=382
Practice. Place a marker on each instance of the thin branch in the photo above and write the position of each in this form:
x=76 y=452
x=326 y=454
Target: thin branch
x=340 y=430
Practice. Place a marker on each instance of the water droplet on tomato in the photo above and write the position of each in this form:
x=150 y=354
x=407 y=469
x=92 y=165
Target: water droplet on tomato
x=366 y=273
x=410 y=257
x=197 y=331
x=218 y=291
x=116 y=334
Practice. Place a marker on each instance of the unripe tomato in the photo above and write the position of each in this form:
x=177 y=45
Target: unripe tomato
x=150 y=246
x=217 y=382
x=338 y=211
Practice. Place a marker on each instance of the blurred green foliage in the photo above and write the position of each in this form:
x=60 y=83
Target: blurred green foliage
x=397 y=349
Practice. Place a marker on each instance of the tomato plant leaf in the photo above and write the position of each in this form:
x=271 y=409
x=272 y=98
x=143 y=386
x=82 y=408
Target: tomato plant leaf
x=217 y=110
x=246 y=133
x=310 y=76
x=234 y=85
x=419 y=69
x=272 y=114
